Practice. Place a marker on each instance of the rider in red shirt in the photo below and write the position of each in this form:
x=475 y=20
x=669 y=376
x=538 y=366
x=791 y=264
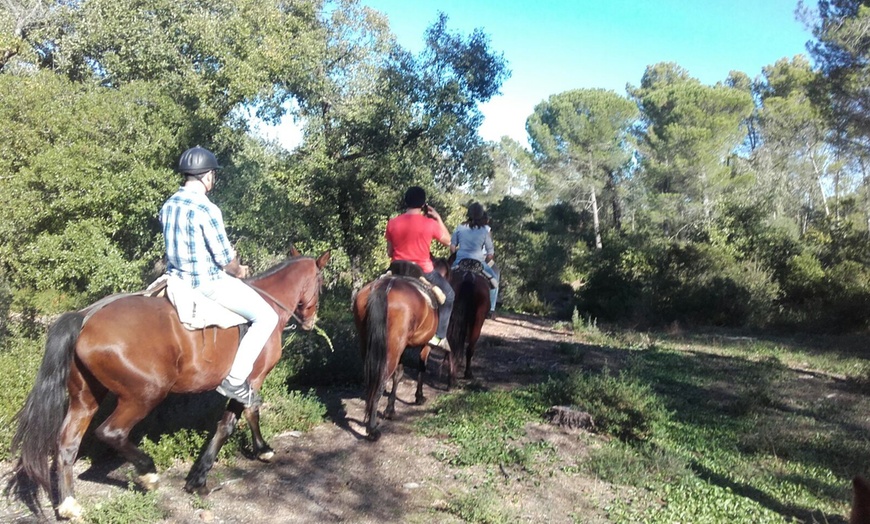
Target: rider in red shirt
x=409 y=237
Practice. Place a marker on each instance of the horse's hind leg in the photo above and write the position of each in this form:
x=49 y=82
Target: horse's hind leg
x=473 y=337
x=83 y=404
x=196 y=478
x=115 y=432
x=391 y=399
x=419 y=399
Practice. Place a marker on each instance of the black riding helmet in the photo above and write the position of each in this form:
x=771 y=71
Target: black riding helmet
x=197 y=161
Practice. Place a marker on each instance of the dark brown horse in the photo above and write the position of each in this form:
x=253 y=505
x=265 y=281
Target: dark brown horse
x=469 y=312
x=394 y=318
x=860 y=512
x=135 y=347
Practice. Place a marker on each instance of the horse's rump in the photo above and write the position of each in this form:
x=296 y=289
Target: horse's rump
x=469 y=306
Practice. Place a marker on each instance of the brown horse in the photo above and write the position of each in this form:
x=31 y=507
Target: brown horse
x=135 y=347
x=469 y=312
x=395 y=321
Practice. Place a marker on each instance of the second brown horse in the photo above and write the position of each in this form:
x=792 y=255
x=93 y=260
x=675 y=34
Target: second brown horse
x=393 y=317
x=469 y=312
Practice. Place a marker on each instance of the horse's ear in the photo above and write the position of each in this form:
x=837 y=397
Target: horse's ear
x=323 y=259
x=294 y=252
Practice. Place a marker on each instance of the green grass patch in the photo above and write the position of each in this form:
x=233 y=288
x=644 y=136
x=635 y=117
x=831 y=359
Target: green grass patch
x=482 y=505
x=486 y=428
x=130 y=507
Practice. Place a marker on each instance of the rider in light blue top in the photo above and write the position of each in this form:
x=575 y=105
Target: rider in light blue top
x=472 y=240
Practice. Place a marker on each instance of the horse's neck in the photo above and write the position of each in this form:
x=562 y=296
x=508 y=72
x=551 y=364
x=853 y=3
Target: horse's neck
x=285 y=285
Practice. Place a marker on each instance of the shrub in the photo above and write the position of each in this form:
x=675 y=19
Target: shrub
x=130 y=507
x=620 y=405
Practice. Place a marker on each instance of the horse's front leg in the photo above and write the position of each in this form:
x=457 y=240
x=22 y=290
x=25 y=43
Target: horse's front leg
x=195 y=482
x=261 y=449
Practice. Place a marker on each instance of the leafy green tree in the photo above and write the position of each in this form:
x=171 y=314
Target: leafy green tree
x=84 y=172
x=212 y=57
x=515 y=173
x=841 y=51
x=689 y=133
x=795 y=163
x=584 y=135
x=384 y=119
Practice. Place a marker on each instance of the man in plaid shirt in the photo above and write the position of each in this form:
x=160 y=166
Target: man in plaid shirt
x=198 y=252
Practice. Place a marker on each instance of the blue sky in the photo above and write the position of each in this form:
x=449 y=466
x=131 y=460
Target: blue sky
x=553 y=46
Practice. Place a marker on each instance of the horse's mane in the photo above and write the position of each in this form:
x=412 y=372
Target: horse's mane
x=277 y=267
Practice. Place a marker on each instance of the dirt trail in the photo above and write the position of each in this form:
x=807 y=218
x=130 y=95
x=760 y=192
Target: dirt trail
x=331 y=474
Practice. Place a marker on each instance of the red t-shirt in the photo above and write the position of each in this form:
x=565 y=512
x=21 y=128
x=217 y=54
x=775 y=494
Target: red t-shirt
x=411 y=235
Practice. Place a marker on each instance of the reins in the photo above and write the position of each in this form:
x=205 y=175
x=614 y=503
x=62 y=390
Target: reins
x=277 y=302
x=280 y=304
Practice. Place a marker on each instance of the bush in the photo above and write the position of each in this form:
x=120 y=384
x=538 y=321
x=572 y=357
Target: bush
x=19 y=359
x=620 y=406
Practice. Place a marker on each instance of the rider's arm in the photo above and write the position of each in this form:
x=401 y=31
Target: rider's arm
x=389 y=249
x=489 y=249
x=444 y=233
x=236 y=269
x=223 y=253
x=454 y=241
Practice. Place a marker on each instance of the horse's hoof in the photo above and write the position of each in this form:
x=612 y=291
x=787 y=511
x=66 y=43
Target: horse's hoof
x=469 y=375
x=373 y=435
x=149 y=481
x=69 y=509
x=420 y=400
x=266 y=456
x=389 y=415
x=202 y=490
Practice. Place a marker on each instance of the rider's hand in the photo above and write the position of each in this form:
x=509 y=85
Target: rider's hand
x=244 y=271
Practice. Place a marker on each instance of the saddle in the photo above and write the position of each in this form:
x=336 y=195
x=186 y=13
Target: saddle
x=412 y=273
x=470 y=265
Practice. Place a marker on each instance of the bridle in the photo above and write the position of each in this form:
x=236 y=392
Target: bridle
x=281 y=305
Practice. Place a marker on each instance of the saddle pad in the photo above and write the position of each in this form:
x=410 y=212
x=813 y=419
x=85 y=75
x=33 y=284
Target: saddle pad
x=476 y=266
x=433 y=294
x=195 y=310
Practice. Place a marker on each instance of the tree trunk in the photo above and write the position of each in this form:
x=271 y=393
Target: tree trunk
x=595 y=220
x=615 y=204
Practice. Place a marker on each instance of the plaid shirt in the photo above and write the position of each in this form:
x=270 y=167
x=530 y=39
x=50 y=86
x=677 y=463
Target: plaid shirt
x=196 y=241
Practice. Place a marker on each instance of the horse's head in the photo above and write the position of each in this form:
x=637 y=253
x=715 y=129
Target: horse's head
x=442 y=267
x=309 y=299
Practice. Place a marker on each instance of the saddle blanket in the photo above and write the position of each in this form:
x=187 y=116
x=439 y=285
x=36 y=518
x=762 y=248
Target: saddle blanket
x=195 y=310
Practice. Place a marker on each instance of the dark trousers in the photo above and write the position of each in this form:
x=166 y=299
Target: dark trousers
x=447 y=307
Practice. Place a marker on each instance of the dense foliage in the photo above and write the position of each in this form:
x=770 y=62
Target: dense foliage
x=742 y=203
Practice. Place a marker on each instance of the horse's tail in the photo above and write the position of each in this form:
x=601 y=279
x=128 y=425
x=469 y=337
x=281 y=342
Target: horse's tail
x=40 y=420
x=461 y=319
x=376 y=354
